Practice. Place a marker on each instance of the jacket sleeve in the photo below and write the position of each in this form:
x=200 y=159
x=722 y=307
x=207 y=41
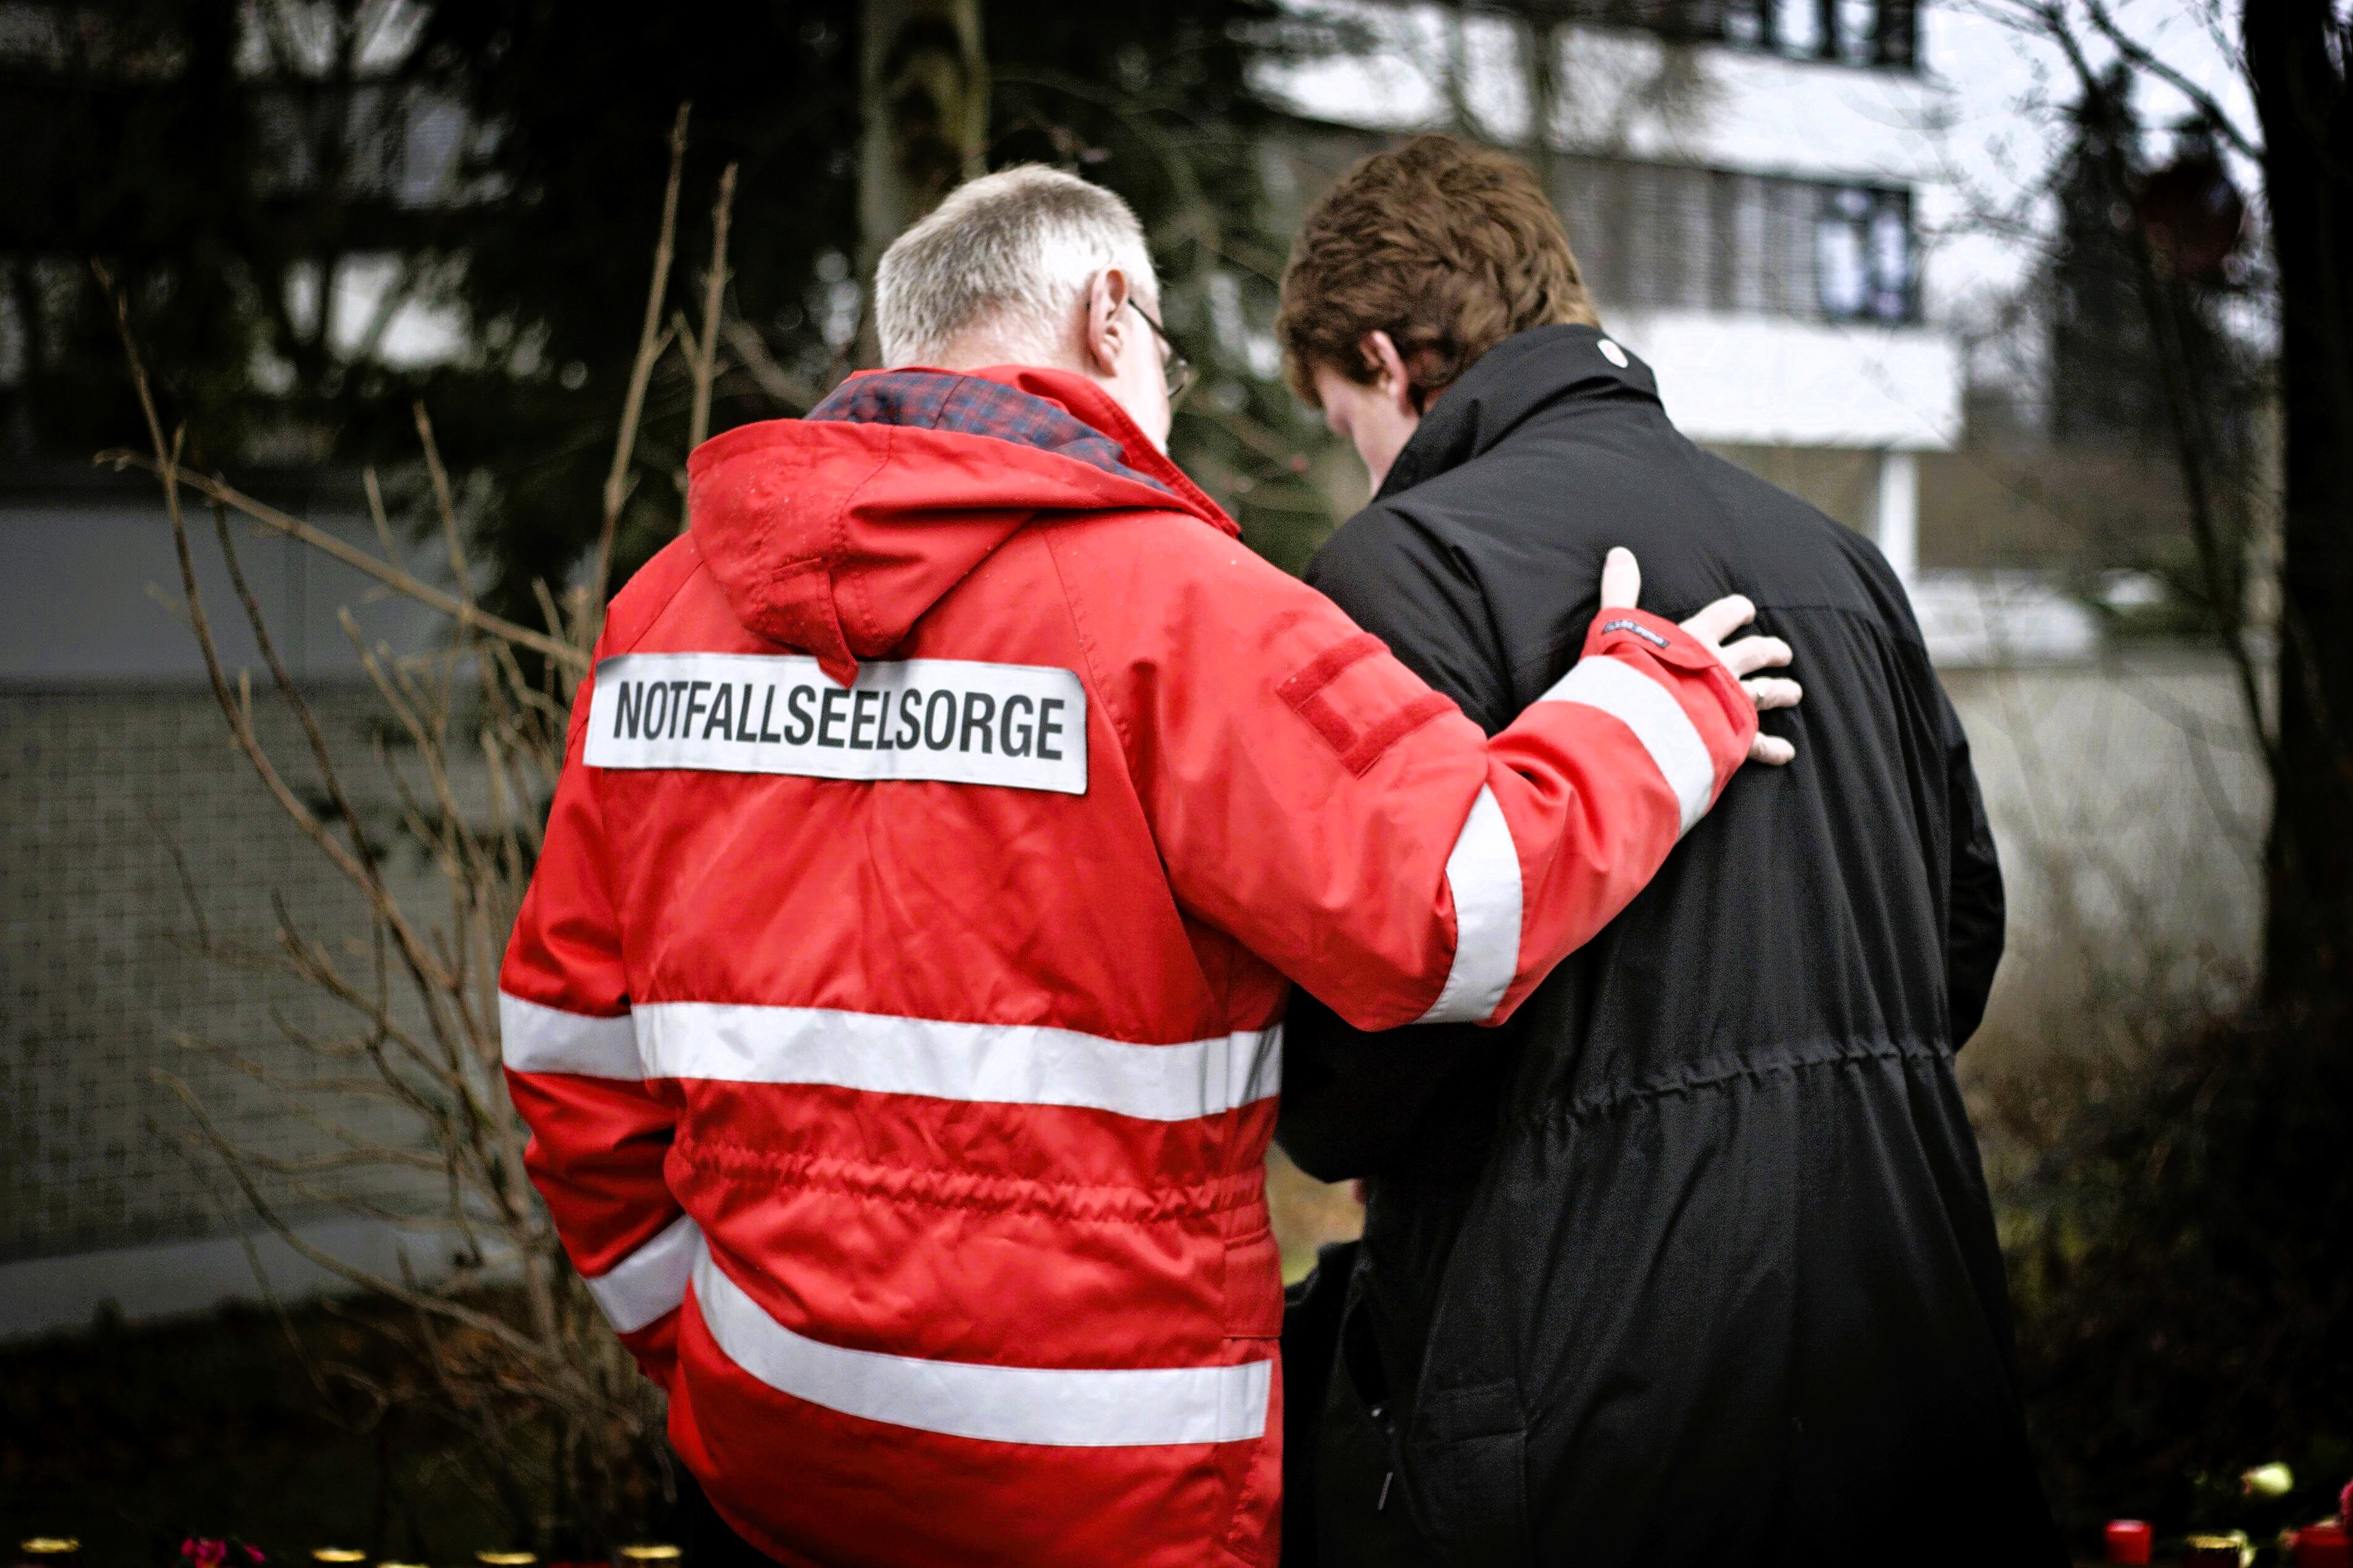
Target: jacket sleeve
x=1356 y=1103
x=1974 y=933
x=1312 y=797
x=599 y=1134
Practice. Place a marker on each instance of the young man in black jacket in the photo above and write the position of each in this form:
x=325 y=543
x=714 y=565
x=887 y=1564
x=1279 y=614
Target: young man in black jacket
x=1693 y=1262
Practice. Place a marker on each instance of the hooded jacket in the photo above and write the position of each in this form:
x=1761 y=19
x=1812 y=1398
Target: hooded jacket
x=1692 y=1263
x=895 y=1005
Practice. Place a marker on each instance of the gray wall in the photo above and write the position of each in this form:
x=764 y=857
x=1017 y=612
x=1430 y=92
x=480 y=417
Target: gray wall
x=82 y=566
x=128 y=809
x=2129 y=802
x=100 y=962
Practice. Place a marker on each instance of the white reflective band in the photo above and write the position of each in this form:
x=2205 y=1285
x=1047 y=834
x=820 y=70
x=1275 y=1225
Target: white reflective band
x=1107 y=1409
x=535 y=1039
x=1006 y=1064
x=651 y=1280
x=959 y=720
x=1658 y=721
x=1484 y=874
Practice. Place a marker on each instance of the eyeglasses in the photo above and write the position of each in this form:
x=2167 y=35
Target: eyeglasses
x=1174 y=366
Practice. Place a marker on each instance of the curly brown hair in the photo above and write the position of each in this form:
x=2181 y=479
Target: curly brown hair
x=1448 y=248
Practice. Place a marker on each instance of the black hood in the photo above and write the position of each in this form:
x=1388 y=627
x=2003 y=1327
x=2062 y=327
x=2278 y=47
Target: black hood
x=1525 y=374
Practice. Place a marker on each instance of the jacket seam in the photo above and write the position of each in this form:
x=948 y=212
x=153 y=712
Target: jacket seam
x=1162 y=1206
x=654 y=619
x=1087 y=651
x=1628 y=1097
x=1553 y=651
x=841 y=538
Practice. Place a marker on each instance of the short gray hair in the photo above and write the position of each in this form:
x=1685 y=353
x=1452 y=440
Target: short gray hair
x=1013 y=251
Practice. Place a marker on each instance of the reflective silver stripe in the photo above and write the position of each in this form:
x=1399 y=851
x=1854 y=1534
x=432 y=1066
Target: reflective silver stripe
x=535 y=1039
x=1484 y=874
x=1006 y=1064
x=651 y=1280
x=1658 y=721
x=1065 y=1409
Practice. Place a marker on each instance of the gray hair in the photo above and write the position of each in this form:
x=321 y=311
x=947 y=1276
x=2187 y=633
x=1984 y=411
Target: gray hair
x=1012 y=251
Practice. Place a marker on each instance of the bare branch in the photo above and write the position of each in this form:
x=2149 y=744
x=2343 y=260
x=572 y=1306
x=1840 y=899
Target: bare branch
x=366 y=1279
x=649 y=347
x=327 y=544
x=2140 y=56
x=328 y=776
x=715 y=293
x=780 y=384
x=445 y=505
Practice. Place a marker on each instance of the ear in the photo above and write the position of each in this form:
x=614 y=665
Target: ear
x=1106 y=324
x=1390 y=377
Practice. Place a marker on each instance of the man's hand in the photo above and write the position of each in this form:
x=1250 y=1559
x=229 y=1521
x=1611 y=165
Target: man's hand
x=1621 y=584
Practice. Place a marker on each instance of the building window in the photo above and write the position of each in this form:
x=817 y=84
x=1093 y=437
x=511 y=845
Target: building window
x=1863 y=254
x=1669 y=236
x=1798 y=26
x=1854 y=31
x=1661 y=236
x=1850 y=32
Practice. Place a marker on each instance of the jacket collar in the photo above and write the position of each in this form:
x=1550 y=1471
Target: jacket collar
x=835 y=535
x=975 y=406
x=1524 y=375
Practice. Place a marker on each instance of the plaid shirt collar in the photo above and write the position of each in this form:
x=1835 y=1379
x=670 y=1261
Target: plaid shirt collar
x=971 y=405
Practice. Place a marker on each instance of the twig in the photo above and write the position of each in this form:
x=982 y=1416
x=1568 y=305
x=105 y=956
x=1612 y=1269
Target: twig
x=366 y=1279
x=715 y=293
x=424 y=592
x=2209 y=109
x=780 y=384
x=650 y=345
x=445 y=505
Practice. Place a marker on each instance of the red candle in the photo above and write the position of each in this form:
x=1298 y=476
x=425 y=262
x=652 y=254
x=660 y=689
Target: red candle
x=2323 y=1546
x=2129 y=1539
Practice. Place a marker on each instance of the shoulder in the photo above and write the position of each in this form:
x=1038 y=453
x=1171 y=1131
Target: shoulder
x=1370 y=541
x=1801 y=556
x=1154 y=555
x=1145 y=585
x=1407 y=539
x=648 y=594
x=1561 y=473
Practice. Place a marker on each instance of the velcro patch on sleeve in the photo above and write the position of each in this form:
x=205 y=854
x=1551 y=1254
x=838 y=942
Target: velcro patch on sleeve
x=1628 y=623
x=954 y=720
x=1361 y=700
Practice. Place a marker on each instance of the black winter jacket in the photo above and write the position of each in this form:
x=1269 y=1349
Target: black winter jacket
x=1692 y=1262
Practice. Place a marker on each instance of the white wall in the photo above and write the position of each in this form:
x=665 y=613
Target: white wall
x=1625 y=94
x=1775 y=381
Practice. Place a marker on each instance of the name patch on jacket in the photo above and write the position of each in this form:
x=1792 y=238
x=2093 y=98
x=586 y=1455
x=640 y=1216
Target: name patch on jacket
x=952 y=719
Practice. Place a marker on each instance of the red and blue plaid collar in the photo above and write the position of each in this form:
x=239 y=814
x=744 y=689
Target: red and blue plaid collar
x=974 y=405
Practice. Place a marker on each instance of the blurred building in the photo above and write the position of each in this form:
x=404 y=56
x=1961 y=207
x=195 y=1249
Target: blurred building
x=1739 y=181
x=1743 y=182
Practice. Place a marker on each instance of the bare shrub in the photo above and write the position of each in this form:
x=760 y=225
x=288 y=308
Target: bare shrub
x=2167 y=1158
x=558 y=1429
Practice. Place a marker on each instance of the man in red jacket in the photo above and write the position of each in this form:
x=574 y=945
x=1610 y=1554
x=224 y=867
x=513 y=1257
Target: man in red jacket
x=897 y=1002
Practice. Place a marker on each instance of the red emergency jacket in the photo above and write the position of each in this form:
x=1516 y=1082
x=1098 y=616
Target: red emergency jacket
x=896 y=1004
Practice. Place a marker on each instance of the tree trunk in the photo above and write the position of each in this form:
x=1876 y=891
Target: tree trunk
x=2295 y=56
x=925 y=102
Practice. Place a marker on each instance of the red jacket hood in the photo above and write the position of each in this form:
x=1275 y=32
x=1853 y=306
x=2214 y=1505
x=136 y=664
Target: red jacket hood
x=834 y=537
